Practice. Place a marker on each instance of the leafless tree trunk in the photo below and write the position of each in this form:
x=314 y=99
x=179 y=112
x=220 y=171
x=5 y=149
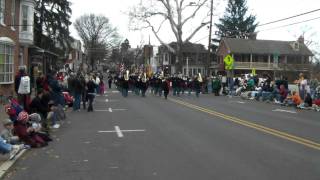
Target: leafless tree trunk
x=174 y=14
x=97 y=35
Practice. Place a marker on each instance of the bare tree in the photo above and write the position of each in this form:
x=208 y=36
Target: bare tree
x=98 y=36
x=177 y=14
x=311 y=40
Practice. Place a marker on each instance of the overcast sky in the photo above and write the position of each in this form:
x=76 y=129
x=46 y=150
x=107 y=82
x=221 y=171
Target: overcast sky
x=265 y=11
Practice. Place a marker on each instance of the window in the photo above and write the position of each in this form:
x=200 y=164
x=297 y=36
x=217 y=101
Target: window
x=6 y=64
x=13 y=13
x=25 y=18
x=2 y=10
x=21 y=56
x=194 y=71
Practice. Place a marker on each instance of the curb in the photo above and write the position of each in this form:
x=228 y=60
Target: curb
x=9 y=163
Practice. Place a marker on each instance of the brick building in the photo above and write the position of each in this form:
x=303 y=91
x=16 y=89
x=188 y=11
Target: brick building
x=16 y=36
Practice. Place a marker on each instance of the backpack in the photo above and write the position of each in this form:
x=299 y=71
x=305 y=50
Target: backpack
x=24 y=87
x=15 y=107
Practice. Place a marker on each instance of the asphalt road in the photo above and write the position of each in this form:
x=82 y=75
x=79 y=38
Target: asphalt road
x=185 y=138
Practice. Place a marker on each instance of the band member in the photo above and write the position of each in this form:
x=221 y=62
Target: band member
x=125 y=84
x=197 y=84
x=144 y=85
x=165 y=87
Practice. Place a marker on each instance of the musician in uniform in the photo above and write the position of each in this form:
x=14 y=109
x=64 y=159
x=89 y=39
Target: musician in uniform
x=197 y=84
x=125 y=84
x=144 y=85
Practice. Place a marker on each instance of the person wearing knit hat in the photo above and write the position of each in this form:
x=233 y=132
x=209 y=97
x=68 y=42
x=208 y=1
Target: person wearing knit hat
x=7 y=122
x=23 y=116
x=7 y=132
x=27 y=134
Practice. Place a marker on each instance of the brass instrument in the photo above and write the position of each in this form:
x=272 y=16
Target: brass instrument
x=126 y=76
x=200 y=78
x=144 y=78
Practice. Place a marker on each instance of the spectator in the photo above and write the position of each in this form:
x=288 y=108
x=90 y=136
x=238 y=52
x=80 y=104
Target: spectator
x=283 y=92
x=314 y=83
x=6 y=148
x=23 y=88
x=91 y=86
x=26 y=133
x=302 y=83
x=52 y=117
x=216 y=86
x=37 y=105
x=294 y=99
x=110 y=81
x=7 y=132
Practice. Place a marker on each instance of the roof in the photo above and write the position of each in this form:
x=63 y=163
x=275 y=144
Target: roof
x=265 y=47
x=188 y=47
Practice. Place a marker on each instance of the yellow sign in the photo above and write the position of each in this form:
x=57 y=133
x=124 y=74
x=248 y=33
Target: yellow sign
x=228 y=62
x=253 y=72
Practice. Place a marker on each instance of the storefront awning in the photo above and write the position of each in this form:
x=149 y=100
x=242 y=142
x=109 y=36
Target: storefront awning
x=7 y=40
x=38 y=50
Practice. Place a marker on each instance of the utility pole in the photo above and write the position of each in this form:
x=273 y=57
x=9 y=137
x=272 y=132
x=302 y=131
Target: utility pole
x=187 y=61
x=209 y=44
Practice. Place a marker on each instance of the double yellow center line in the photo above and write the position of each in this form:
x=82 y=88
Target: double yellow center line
x=258 y=127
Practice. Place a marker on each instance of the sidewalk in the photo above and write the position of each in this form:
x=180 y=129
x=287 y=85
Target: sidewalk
x=5 y=163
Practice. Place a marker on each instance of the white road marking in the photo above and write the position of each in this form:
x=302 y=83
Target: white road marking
x=282 y=110
x=113 y=167
x=119 y=133
x=119 y=109
x=109 y=110
x=101 y=110
x=240 y=102
x=109 y=100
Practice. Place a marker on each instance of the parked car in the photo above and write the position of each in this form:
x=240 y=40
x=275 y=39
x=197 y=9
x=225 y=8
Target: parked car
x=68 y=98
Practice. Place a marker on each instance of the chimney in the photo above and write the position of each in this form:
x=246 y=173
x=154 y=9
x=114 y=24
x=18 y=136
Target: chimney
x=301 y=39
x=253 y=36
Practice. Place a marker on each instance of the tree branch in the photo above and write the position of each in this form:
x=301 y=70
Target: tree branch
x=194 y=12
x=195 y=31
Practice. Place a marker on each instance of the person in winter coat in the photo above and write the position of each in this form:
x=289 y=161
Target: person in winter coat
x=91 y=86
x=26 y=133
x=77 y=91
x=6 y=148
x=7 y=132
x=110 y=81
x=37 y=106
x=23 y=98
x=216 y=86
x=197 y=86
x=165 y=87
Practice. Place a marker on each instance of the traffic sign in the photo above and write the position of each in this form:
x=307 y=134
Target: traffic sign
x=228 y=62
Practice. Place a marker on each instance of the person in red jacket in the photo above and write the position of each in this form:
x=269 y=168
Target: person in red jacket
x=26 y=133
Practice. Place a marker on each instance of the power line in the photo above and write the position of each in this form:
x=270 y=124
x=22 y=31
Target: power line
x=279 y=21
x=289 y=17
x=290 y=24
x=202 y=39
